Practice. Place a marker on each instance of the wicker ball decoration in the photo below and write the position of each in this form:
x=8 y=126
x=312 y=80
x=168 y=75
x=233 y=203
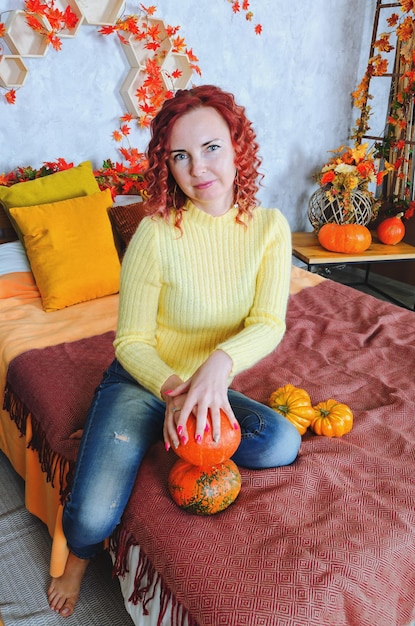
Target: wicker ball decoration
x=323 y=210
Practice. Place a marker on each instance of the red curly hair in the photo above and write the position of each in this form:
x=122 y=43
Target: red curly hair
x=163 y=195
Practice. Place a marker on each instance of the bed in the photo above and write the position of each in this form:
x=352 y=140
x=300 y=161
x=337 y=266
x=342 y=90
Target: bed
x=329 y=539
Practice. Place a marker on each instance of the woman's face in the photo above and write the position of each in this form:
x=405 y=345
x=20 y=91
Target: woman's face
x=202 y=159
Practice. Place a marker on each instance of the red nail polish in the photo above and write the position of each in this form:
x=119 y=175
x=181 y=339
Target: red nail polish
x=167 y=446
x=198 y=439
x=179 y=430
x=183 y=440
x=236 y=426
x=207 y=427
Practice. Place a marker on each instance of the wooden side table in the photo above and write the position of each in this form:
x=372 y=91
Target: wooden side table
x=306 y=248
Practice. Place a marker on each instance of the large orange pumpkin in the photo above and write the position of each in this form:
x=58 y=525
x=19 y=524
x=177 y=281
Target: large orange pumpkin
x=392 y=230
x=208 y=451
x=204 y=490
x=346 y=238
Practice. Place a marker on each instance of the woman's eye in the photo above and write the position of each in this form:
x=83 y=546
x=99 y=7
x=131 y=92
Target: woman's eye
x=213 y=147
x=180 y=156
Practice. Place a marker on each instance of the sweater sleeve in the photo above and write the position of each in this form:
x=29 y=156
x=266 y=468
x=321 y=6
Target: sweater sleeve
x=135 y=343
x=265 y=326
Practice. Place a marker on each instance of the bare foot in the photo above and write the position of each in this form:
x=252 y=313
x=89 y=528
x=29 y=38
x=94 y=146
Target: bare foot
x=63 y=592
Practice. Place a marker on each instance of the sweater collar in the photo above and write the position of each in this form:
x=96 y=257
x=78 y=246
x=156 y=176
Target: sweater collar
x=193 y=213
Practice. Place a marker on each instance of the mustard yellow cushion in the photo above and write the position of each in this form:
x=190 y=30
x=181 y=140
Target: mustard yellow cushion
x=71 y=183
x=71 y=249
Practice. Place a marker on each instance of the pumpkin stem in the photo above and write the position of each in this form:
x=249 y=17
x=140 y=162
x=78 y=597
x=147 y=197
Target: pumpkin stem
x=282 y=408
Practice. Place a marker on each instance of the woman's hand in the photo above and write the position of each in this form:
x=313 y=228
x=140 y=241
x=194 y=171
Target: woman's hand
x=206 y=390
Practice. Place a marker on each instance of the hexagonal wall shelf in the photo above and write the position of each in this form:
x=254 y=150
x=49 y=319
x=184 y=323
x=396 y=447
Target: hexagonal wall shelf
x=23 y=40
x=61 y=6
x=176 y=61
x=100 y=12
x=13 y=71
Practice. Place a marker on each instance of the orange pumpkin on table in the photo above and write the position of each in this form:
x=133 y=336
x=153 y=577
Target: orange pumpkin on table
x=346 y=238
x=392 y=230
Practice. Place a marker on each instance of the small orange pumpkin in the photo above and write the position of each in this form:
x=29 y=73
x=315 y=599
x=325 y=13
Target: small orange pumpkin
x=208 y=451
x=346 y=238
x=204 y=490
x=332 y=419
x=295 y=404
x=392 y=230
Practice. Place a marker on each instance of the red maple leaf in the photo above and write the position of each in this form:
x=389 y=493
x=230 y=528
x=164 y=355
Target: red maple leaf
x=154 y=32
x=36 y=6
x=10 y=96
x=70 y=18
x=258 y=29
x=34 y=23
x=107 y=30
x=177 y=73
x=2 y=29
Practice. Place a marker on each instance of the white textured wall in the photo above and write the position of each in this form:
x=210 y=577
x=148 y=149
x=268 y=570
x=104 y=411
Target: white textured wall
x=295 y=81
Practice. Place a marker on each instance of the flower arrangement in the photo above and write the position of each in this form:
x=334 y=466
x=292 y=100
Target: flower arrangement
x=347 y=170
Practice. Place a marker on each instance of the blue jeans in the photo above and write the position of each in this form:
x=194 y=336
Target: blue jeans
x=124 y=420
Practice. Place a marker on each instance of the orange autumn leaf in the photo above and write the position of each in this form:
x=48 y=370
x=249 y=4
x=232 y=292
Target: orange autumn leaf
x=178 y=44
x=2 y=29
x=407 y=5
x=172 y=30
x=10 y=96
x=245 y=5
x=406 y=29
x=149 y=10
x=258 y=29
x=34 y=23
x=125 y=129
x=236 y=7
x=383 y=43
x=70 y=18
x=127 y=117
x=116 y=135
x=107 y=30
x=154 y=32
x=152 y=45
x=36 y=6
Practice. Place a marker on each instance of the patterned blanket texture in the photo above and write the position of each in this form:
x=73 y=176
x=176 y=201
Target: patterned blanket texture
x=327 y=540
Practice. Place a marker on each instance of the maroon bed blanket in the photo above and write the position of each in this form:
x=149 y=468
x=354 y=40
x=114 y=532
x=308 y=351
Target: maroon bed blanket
x=327 y=540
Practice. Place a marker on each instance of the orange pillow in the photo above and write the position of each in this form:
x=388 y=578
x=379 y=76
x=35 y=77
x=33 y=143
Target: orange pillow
x=71 y=249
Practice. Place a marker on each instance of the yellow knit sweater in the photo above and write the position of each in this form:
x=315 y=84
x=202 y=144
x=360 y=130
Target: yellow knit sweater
x=218 y=285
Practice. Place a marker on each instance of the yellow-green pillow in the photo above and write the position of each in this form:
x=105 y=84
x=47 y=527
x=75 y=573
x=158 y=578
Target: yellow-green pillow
x=71 y=249
x=70 y=183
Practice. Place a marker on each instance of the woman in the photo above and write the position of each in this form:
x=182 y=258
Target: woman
x=203 y=296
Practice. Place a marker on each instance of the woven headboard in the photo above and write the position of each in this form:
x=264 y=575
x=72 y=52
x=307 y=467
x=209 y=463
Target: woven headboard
x=7 y=232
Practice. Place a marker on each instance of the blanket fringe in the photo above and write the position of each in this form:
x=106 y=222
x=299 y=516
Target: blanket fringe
x=146 y=580
x=52 y=463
